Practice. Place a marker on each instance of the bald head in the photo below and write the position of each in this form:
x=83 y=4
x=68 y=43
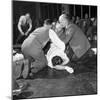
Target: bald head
x=63 y=16
x=63 y=20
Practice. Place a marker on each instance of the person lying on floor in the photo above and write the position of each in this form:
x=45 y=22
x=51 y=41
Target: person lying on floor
x=55 y=56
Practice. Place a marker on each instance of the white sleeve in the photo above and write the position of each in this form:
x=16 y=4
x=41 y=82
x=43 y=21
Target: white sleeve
x=55 y=39
x=49 y=60
x=65 y=59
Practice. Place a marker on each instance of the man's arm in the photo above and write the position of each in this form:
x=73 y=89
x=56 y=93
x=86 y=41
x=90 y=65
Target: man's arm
x=30 y=27
x=19 y=25
x=69 y=33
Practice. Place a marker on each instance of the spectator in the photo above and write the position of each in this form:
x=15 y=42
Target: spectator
x=77 y=22
x=92 y=30
x=83 y=25
x=37 y=23
x=73 y=19
x=87 y=23
x=24 y=27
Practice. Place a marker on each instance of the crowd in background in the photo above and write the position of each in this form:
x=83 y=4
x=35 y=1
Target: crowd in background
x=88 y=26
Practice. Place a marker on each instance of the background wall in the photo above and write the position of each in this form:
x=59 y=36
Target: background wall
x=40 y=11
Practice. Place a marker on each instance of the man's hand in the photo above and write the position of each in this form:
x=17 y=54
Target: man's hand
x=26 y=33
x=22 y=33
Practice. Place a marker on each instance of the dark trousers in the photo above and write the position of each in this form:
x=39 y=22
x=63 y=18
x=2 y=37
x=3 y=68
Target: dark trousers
x=20 y=39
x=73 y=58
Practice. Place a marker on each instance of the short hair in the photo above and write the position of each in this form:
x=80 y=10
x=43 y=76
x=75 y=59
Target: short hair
x=56 y=60
x=48 y=21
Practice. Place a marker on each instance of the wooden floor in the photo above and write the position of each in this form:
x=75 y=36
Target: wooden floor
x=51 y=83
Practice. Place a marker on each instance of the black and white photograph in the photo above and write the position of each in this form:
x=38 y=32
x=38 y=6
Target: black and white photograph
x=54 y=49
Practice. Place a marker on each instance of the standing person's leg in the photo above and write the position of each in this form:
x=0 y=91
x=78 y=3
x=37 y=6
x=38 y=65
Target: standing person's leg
x=19 y=38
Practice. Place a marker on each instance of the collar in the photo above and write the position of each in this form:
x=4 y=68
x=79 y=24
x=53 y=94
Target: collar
x=68 y=25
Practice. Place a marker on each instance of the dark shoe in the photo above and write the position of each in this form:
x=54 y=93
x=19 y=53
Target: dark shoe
x=20 y=77
x=21 y=88
x=16 y=91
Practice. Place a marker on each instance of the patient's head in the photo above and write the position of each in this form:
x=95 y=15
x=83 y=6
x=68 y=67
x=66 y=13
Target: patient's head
x=58 y=27
x=57 y=60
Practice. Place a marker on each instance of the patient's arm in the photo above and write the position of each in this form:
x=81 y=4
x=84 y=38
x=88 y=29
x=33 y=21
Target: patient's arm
x=67 y=68
x=59 y=67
